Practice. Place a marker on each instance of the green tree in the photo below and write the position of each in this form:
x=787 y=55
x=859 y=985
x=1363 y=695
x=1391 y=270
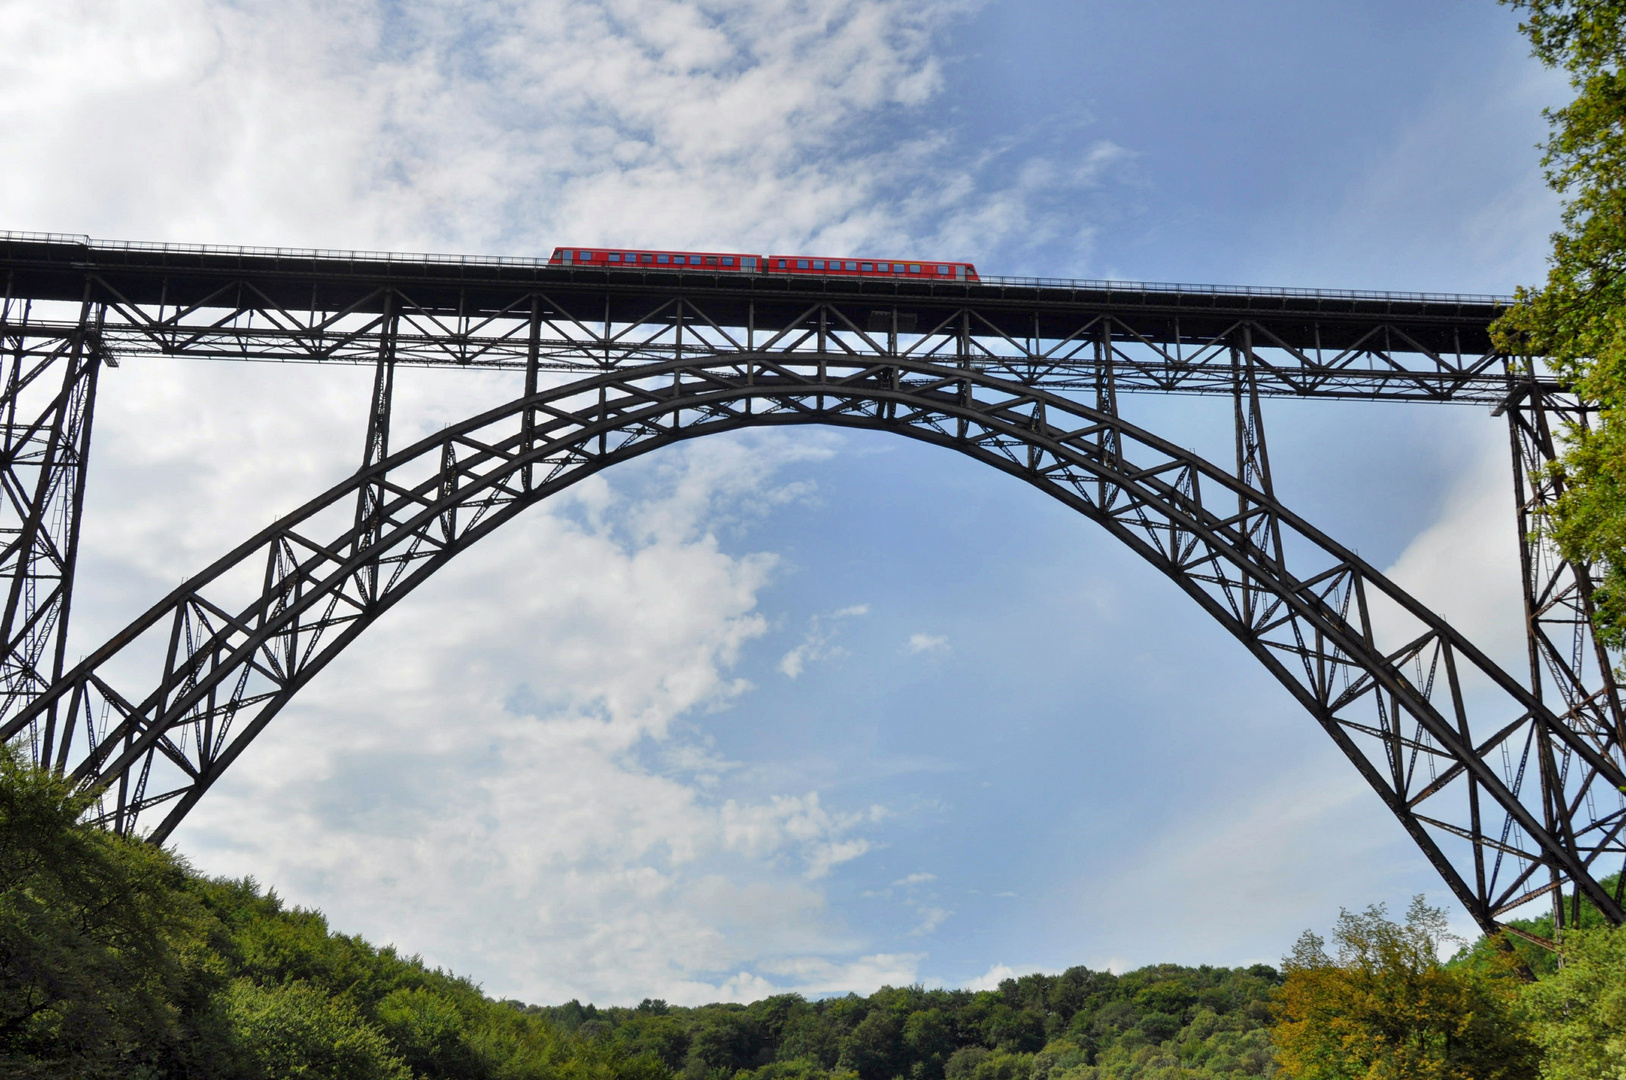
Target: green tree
x=874 y=1049
x=1579 y=1013
x=1578 y=318
x=930 y=1040
x=1388 y=1009
x=429 y=1030
x=102 y=949
x=298 y=1031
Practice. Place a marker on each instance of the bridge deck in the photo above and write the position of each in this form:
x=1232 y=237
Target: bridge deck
x=287 y=304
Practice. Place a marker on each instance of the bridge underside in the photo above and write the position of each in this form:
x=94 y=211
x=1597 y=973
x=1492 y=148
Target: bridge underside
x=1511 y=786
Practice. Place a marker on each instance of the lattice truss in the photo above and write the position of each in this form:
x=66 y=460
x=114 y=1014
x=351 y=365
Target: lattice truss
x=1507 y=797
x=47 y=393
x=583 y=329
x=1569 y=667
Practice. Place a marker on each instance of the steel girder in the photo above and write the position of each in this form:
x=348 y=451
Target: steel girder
x=343 y=307
x=47 y=402
x=1508 y=799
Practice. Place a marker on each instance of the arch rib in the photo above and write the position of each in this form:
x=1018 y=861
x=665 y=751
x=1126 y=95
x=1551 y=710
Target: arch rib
x=1419 y=711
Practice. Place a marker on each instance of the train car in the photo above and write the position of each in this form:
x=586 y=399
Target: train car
x=745 y=263
x=890 y=268
x=650 y=259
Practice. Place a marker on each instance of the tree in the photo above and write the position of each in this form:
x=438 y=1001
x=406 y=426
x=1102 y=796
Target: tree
x=1579 y=1013
x=101 y=947
x=295 y=1030
x=1387 y=1009
x=1578 y=318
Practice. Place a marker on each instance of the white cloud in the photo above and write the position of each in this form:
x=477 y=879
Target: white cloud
x=818 y=643
x=866 y=974
x=927 y=643
x=930 y=919
x=497 y=124
x=1465 y=566
x=990 y=979
x=915 y=879
x=474 y=760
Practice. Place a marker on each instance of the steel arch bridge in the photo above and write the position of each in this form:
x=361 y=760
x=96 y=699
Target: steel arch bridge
x=1511 y=787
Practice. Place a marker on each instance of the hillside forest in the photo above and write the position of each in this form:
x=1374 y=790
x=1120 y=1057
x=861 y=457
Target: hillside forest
x=116 y=960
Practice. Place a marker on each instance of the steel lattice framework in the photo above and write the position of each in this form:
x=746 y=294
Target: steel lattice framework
x=1511 y=786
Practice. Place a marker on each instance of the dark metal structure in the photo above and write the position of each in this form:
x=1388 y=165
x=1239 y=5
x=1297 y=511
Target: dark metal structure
x=1511 y=785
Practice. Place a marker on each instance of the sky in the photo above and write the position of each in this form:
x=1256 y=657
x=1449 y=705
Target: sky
x=808 y=710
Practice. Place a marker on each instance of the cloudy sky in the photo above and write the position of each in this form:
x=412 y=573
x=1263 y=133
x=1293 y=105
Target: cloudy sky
x=806 y=710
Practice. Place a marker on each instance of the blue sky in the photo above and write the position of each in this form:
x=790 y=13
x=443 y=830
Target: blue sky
x=807 y=710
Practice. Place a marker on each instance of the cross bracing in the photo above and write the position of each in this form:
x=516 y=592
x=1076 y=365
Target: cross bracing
x=257 y=305
x=1510 y=785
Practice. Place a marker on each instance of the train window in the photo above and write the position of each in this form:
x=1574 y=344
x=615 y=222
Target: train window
x=728 y=260
x=614 y=256
x=663 y=258
x=852 y=266
x=801 y=264
x=943 y=270
x=914 y=268
x=885 y=268
x=711 y=260
x=818 y=264
x=584 y=256
x=869 y=267
x=646 y=258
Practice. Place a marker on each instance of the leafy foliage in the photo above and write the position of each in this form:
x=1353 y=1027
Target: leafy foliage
x=1160 y=1023
x=1579 y=1013
x=99 y=941
x=1388 y=1008
x=116 y=960
x=1578 y=318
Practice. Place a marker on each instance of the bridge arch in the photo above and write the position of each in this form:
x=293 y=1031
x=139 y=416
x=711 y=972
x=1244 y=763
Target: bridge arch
x=155 y=715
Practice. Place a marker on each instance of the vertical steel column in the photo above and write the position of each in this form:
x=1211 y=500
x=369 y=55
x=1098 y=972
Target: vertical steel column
x=1106 y=401
x=1254 y=521
x=1565 y=656
x=370 y=498
x=44 y=454
x=533 y=355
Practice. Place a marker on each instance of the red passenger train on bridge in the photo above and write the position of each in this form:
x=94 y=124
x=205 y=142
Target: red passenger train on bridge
x=745 y=263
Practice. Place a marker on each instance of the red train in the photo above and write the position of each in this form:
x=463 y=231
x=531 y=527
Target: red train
x=743 y=263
